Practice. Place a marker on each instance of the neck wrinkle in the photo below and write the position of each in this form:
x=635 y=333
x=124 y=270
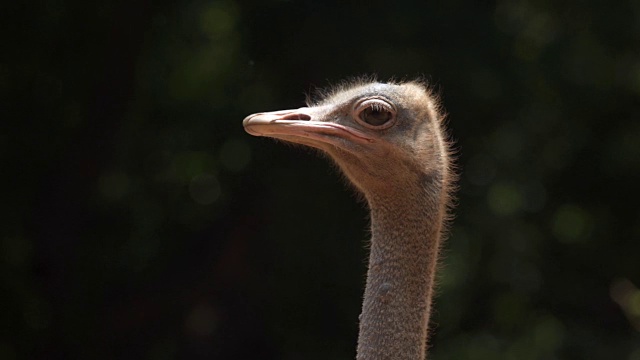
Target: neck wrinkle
x=404 y=249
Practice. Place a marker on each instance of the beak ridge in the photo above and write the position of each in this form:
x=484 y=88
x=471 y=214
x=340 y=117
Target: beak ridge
x=270 y=117
x=302 y=126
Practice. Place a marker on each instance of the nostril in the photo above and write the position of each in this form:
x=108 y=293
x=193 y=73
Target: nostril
x=296 y=116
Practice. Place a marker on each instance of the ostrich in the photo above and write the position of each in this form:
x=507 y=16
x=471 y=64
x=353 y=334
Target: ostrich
x=388 y=139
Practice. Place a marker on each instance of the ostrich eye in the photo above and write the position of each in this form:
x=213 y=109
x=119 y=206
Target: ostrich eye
x=376 y=115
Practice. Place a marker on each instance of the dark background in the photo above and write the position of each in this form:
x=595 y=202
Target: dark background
x=139 y=220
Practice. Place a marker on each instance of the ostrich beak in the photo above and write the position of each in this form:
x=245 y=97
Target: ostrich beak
x=304 y=126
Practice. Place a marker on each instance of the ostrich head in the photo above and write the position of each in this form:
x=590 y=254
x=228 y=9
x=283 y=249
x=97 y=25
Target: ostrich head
x=384 y=137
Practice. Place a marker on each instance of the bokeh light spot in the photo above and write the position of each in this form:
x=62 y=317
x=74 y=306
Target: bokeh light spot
x=188 y=164
x=504 y=199
x=483 y=347
x=204 y=189
x=508 y=309
x=217 y=21
x=235 y=154
x=627 y=296
x=571 y=224
x=634 y=303
x=549 y=333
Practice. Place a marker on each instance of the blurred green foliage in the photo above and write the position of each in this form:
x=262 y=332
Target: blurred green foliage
x=140 y=221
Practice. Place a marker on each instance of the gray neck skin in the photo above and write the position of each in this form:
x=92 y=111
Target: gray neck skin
x=397 y=298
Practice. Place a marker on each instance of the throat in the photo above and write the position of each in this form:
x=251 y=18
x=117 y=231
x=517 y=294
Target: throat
x=402 y=262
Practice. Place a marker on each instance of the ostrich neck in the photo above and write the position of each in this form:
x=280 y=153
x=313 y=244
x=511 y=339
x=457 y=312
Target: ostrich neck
x=404 y=248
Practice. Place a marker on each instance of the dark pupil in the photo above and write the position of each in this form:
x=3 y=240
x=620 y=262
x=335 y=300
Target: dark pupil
x=376 y=117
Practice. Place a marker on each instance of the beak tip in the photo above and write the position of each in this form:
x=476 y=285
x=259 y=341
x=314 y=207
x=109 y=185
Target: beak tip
x=246 y=120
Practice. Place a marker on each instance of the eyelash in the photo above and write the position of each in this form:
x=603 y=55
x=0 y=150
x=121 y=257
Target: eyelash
x=376 y=106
